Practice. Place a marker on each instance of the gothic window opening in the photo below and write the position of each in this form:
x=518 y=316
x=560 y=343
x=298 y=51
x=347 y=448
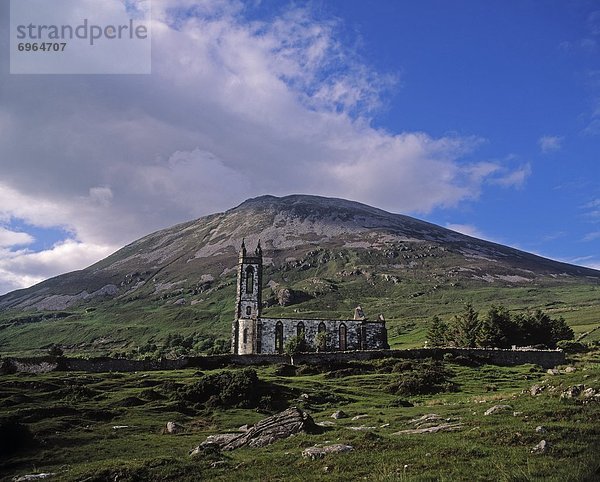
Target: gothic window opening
x=300 y=330
x=249 y=280
x=359 y=338
x=343 y=337
x=245 y=336
x=322 y=337
x=248 y=310
x=258 y=338
x=279 y=337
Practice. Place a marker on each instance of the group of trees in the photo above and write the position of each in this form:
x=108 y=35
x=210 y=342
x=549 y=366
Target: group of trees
x=498 y=328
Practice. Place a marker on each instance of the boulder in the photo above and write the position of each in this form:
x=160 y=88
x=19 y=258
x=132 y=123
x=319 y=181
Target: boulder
x=588 y=393
x=339 y=414
x=552 y=371
x=536 y=390
x=497 y=409
x=269 y=430
x=358 y=417
x=570 y=369
x=173 y=428
x=541 y=448
x=540 y=429
x=572 y=392
x=320 y=452
x=444 y=427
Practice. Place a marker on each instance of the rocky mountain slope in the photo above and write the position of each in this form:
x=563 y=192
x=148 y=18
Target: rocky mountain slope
x=297 y=232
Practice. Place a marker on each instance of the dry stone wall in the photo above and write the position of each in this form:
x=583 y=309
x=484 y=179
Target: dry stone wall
x=544 y=358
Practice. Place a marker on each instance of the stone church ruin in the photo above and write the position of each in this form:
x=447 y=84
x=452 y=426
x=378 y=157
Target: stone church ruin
x=253 y=334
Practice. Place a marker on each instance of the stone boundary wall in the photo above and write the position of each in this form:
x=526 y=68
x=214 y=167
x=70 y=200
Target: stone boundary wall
x=544 y=358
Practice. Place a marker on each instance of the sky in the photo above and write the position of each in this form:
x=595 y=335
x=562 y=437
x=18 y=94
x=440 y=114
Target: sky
x=483 y=117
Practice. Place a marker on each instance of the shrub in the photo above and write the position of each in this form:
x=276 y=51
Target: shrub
x=239 y=388
x=572 y=346
x=295 y=344
x=55 y=350
x=426 y=377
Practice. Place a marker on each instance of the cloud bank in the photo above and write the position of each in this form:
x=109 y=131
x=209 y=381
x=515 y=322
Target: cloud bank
x=235 y=107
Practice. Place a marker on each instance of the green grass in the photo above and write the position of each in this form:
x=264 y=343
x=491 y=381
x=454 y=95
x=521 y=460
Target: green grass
x=74 y=435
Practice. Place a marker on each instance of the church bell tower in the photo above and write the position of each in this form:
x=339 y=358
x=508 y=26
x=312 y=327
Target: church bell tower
x=246 y=325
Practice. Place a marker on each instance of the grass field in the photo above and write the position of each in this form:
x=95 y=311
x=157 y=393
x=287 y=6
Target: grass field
x=118 y=326
x=72 y=418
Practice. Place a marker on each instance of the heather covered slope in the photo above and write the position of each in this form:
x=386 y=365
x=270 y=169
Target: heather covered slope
x=331 y=254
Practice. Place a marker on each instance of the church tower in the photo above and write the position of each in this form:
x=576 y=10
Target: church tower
x=246 y=329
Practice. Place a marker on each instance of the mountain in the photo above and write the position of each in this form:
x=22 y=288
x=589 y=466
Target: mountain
x=329 y=254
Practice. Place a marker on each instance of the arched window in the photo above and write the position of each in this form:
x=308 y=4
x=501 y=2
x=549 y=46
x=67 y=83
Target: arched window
x=248 y=310
x=359 y=337
x=343 y=337
x=249 y=280
x=279 y=337
x=300 y=329
x=322 y=337
x=245 y=336
x=258 y=337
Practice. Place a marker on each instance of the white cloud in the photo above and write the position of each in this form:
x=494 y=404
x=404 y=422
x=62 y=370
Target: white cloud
x=550 y=143
x=22 y=268
x=233 y=109
x=514 y=178
x=13 y=238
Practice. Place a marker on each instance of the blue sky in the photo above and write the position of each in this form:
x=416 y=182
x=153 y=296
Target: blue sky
x=479 y=116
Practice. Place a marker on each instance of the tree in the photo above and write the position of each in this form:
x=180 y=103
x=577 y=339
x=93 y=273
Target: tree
x=321 y=341
x=295 y=344
x=561 y=331
x=465 y=327
x=496 y=329
x=438 y=332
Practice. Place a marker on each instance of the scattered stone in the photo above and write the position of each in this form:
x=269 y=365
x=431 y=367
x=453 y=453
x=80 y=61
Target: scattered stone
x=339 y=414
x=219 y=439
x=326 y=423
x=217 y=464
x=304 y=397
x=245 y=427
x=516 y=414
x=173 y=428
x=384 y=425
x=205 y=449
x=269 y=430
x=327 y=469
x=536 y=390
x=541 y=448
x=497 y=409
x=358 y=417
x=315 y=452
x=180 y=301
x=588 y=393
x=444 y=427
x=119 y=427
x=540 y=429
x=362 y=428
x=570 y=369
x=572 y=392
x=39 y=476
x=552 y=371
x=429 y=417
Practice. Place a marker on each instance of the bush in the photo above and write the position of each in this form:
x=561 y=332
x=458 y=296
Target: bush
x=572 y=346
x=295 y=344
x=238 y=388
x=427 y=377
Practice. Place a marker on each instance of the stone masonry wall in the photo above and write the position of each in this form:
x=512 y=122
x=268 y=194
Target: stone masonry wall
x=544 y=358
x=374 y=336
